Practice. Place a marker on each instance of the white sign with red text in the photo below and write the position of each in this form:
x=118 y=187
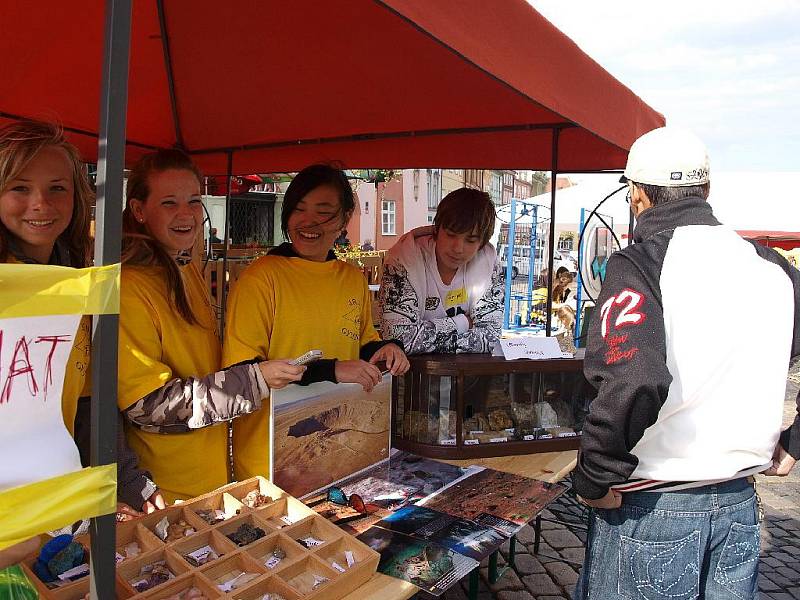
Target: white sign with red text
x=34 y=443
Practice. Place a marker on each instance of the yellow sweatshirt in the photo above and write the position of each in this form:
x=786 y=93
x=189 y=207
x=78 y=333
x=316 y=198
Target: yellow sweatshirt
x=281 y=307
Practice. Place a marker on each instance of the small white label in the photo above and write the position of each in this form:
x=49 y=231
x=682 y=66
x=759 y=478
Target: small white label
x=338 y=567
x=272 y=562
x=567 y=434
x=498 y=440
x=447 y=443
x=528 y=437
x=348 y=555
x=287 y=520
x=311 y=542
x=471 y=442
x=74 y=572
x=476 y=432
x=546 y=436
x=509 y=430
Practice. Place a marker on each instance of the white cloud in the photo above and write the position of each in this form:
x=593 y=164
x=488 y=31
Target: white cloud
x=728 y=69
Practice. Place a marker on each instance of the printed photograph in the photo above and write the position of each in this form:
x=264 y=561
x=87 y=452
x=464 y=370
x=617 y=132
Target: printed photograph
x=465 y=537
x=493 y=498
x=325 y=432
x=425 y=564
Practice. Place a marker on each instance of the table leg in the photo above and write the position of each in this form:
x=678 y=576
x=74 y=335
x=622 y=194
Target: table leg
x=512 y=550
x=474 y=580
x=537 y=533
x=493 y=574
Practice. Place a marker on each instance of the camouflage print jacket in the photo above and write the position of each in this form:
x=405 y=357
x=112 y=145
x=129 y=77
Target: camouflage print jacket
x=182 y=405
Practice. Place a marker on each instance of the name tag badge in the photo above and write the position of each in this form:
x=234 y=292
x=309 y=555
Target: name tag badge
x=455 y=297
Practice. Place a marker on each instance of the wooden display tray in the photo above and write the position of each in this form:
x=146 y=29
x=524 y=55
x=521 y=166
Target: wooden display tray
x=285 y=520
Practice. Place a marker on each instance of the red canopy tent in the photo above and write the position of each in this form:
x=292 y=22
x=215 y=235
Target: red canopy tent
x=394 y=83
x=787 y=240
x=370 y=83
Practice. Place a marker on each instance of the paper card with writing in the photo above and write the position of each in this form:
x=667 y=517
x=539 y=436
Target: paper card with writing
x=534 y=348
x=34 y=442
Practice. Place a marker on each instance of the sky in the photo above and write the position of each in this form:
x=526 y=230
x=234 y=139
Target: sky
x=728 y=70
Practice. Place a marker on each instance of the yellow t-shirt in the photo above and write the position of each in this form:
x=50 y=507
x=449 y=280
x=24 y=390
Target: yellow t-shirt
x=280 y=308
x=156 y=345
x=77 y=380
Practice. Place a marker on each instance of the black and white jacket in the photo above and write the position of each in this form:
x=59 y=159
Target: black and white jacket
x=688 y=357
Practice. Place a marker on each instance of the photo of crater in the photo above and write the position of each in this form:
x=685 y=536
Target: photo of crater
x=324 y=432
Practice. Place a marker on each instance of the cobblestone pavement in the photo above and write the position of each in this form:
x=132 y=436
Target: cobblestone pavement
x=540 y=578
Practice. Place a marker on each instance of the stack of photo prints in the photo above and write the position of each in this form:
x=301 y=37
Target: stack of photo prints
x=432 y=522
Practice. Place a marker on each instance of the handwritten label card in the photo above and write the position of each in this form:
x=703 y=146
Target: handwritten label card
x=34 y=354
x=534 y=348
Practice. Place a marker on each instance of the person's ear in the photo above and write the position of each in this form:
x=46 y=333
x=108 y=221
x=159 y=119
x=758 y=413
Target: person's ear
x=137 y=209
x=639 y=200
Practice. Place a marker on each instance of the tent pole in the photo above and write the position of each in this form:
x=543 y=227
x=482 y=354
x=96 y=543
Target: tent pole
x=105 y=334
x=507 y=320
x=224 y=283
x=551 y=243
x=173 y=101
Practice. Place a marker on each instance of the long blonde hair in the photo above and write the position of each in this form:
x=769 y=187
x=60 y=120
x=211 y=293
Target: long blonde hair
x=20 y=142
x=138 y=246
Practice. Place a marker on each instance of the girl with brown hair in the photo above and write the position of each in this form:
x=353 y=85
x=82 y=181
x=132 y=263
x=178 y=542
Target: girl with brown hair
x=170 y=376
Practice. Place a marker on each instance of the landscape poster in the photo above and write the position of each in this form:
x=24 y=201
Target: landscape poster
x=401 y=479
x=465 y=537
x=495 y=499
x=324 y=432
x=405 y=475
x=427 y=565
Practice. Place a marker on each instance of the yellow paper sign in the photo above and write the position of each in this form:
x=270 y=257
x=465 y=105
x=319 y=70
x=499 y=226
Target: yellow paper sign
x=42 y=485
x=53 y=503
x=455 y=297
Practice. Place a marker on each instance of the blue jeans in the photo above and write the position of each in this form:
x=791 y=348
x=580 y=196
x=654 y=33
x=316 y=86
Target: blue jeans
x=698 y=543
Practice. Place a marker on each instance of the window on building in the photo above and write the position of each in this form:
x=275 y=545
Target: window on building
x=496 y=187
x=416 y=185
x=566 y=241
x=473 y=178
x=508 y=179
x=388 y=217
x=434 y=188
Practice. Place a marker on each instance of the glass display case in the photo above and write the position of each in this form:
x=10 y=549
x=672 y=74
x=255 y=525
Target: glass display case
x=477 y=405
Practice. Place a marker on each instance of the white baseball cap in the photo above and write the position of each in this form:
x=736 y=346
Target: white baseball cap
x=668 y=157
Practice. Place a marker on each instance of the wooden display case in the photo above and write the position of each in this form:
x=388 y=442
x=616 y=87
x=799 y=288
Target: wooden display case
x=301 y=573
x=477 y=405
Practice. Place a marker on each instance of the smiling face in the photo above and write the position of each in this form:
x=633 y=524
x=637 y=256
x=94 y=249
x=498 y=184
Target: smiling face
x=454 y=250
x=316 y=222
x=36 y=206
x=173 y=211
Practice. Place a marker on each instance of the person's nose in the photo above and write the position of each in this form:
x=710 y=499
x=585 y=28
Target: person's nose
x=39 y=199
x=185 y=210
